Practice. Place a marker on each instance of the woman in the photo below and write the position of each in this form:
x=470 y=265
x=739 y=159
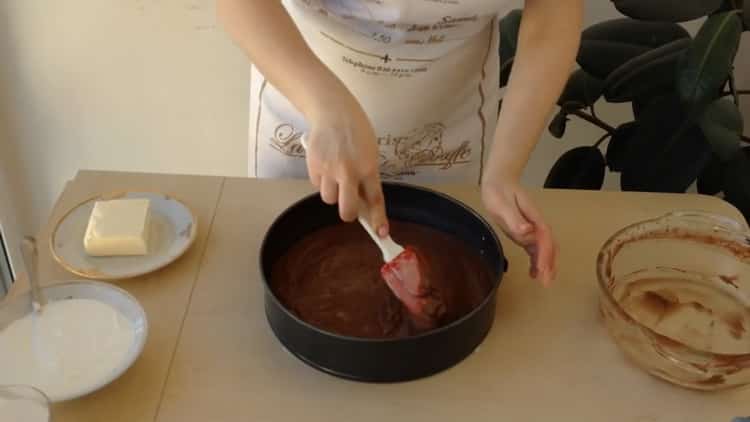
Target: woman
x=404 y=90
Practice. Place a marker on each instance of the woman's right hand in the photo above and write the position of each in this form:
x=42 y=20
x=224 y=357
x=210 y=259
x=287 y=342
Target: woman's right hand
x=342 y=161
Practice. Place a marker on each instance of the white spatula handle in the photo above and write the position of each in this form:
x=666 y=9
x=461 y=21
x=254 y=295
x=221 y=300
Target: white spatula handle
x=388 y=247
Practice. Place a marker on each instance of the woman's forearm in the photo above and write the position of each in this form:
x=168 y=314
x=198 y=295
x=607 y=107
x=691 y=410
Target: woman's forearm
x=267 y=34
x=548 y=41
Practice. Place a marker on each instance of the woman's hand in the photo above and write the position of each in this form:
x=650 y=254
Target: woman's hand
x=342 y=161
x=511 y=207
x=548 y=41
x=343 y=154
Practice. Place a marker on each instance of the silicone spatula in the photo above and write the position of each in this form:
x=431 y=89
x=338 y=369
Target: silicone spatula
x=404 y=275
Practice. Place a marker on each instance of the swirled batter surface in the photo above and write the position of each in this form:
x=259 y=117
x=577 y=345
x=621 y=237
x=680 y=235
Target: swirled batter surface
x=331 y=279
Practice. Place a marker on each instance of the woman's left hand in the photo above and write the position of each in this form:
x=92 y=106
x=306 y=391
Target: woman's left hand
x=548 y=41
x=512 y=208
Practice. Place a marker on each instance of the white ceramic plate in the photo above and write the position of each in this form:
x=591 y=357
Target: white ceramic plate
x=173 y=231
x=106 y=293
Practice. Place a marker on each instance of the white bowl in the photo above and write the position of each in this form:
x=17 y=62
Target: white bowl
x=113 y=296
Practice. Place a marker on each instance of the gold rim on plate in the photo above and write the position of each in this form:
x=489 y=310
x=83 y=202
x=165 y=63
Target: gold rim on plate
x=115 y=195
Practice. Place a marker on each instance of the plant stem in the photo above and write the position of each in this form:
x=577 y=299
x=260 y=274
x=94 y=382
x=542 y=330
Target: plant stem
x=593 y=120
x=602 y=139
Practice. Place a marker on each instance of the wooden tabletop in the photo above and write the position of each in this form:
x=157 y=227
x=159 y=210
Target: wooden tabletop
x=211 y=356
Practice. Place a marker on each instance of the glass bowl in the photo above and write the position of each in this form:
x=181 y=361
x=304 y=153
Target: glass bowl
x=44 y=349
x=23 y=403
x=675 y=296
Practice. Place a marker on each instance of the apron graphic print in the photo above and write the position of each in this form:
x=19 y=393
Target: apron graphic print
x=422 y=147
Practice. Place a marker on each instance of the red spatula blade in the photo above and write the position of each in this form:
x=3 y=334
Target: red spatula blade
x=406 y=269
x=405 y=278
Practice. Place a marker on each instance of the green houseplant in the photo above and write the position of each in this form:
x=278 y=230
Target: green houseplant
x=686 y=124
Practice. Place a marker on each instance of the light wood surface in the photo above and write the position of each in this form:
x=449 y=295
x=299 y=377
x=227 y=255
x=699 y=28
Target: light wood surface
x=164 y=295
x=548 y=357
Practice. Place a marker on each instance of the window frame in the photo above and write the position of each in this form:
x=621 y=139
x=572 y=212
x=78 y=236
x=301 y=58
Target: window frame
x=6 y=272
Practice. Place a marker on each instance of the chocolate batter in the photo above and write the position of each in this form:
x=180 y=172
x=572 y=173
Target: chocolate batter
x=331 y=279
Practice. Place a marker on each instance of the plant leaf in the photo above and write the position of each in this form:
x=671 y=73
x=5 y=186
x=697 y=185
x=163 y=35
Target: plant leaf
x=582 y=90
x=727 y=5
x=505 y=70
x=667 y=152
x=711 y=179
x=558 y=124
x=617 y=147
x=580 y=168
x=635 y=32
x=650 y=73
x=600 y=58
x=707 y=63
x=737 y=181
x=666 y=10
x=641 y=103
x=722 y=125
x=607 y=45
x=510 y=24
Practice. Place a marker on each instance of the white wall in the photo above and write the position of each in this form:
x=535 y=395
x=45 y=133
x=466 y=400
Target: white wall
x=141 y=85
x=145 y=85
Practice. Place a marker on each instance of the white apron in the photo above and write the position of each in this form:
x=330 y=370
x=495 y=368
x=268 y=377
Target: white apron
x=426 y=72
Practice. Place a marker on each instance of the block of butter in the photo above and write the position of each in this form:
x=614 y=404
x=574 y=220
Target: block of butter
x=119 y=227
